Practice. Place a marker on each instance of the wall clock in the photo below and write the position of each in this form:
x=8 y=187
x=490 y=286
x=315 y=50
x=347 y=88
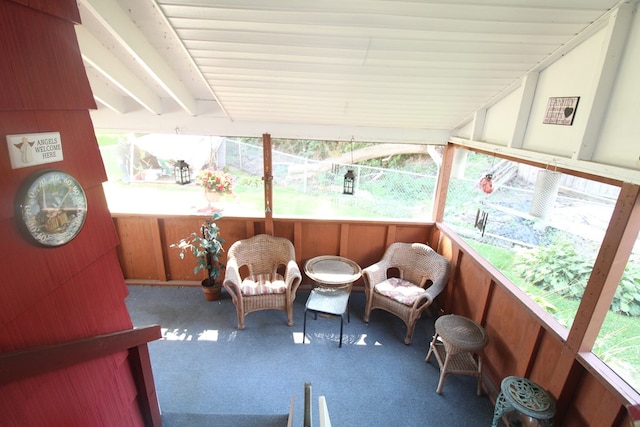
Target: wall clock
x=51 y=207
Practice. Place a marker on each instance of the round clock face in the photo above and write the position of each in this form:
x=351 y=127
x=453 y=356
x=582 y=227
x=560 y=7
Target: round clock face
x=51 y=208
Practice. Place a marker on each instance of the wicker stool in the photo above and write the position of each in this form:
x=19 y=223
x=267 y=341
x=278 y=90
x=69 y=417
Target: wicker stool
x=454 y=344
x=525 y=396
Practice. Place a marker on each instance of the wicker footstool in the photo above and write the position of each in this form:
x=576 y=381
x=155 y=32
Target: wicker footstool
x=525 y=396
x=456 y=346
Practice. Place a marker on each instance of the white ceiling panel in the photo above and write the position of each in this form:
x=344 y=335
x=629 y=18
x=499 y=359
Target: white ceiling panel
x=412 y=65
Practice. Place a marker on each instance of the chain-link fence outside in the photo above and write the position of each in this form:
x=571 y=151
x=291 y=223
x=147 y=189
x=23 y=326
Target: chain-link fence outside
x=379 y=192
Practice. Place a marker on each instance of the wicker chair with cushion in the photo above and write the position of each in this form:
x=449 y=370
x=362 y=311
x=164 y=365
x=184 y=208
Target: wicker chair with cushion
x=262 y=274
x=421 y=273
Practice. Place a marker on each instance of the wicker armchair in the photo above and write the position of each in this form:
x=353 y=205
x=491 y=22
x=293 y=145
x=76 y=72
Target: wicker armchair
x=423 y=274
x=262 y=274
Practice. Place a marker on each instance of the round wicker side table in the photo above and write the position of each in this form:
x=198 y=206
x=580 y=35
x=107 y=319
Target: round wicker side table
x=456 y=346
x=525 y=396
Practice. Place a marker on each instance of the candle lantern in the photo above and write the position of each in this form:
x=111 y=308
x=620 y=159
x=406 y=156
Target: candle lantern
x=349 y=179
x=181 y=171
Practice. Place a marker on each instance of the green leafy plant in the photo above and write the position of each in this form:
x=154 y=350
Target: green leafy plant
x=206 y=247
x=560 y=269
x=557 y=268
x=627 y=297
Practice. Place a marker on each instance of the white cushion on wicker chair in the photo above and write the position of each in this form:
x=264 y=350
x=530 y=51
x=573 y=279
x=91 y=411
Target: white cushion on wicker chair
x=400 y=290
x=422 y=274
x=263 y=284
x=270 y=275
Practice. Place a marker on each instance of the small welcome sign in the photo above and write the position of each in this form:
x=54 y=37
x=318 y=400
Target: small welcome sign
x=32 y=149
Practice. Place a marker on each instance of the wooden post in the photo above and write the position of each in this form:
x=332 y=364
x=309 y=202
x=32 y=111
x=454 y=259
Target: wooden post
x=147 y=396
x=268 y=183
x=156 y=247
x=443 y=183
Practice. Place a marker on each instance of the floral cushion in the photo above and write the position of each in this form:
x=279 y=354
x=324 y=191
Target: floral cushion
x=262 y=284
x=400 y=290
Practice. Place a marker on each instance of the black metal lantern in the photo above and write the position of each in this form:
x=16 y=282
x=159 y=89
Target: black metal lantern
x=349 y=179
x=181 y=171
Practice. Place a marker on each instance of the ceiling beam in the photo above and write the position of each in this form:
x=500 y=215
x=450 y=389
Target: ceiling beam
x=106 y=96
x=477 y=128
x=140 y=121
x=189 y=55
x=613 y=173
x=529 y=84
x=120 y=26
x=611 y=54
x=103 y=61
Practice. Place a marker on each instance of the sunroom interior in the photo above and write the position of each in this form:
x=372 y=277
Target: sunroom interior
x=543 y=85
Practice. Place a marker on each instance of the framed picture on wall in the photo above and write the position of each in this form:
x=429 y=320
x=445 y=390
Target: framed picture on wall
x=561 y=110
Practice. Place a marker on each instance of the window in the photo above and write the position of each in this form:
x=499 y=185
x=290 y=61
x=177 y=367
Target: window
x=391 y=180
x=140 y=169
x=541 y=228
x=544 y=233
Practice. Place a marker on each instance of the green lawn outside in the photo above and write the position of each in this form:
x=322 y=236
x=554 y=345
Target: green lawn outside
x=618 y=344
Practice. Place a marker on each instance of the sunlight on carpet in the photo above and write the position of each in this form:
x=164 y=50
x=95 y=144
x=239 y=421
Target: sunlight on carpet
x=352 y=339
x=184 y=335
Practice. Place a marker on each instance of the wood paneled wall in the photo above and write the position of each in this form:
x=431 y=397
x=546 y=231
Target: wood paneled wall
x=54 y=295
x=146 y=256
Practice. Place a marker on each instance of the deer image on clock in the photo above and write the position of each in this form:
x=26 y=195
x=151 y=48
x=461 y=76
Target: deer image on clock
x=51 y=208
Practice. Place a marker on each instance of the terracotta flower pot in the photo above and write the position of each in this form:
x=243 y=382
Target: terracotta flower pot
x=211 y=293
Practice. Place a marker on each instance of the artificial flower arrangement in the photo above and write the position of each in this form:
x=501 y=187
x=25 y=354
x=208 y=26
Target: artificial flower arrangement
x=215 y=180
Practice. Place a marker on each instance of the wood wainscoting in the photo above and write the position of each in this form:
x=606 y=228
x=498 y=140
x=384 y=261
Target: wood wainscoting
x=146 y=256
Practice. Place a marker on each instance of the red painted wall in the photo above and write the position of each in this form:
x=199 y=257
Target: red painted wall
x=54 y=295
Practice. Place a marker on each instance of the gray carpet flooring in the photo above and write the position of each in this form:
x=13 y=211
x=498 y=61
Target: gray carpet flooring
x=171 y=419
x=204 y=367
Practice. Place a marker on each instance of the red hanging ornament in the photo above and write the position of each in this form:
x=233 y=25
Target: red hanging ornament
x=486 y=183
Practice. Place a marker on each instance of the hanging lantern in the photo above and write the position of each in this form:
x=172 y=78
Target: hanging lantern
x=349 y=179
x=181 y=171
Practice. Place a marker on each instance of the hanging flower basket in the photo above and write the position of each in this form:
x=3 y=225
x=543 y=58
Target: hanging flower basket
x=215 y=181
x=212 y=196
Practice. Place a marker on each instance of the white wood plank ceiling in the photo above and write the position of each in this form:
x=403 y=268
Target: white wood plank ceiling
x=404 y=65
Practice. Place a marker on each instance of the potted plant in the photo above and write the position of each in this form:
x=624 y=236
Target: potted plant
x=206 y=247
